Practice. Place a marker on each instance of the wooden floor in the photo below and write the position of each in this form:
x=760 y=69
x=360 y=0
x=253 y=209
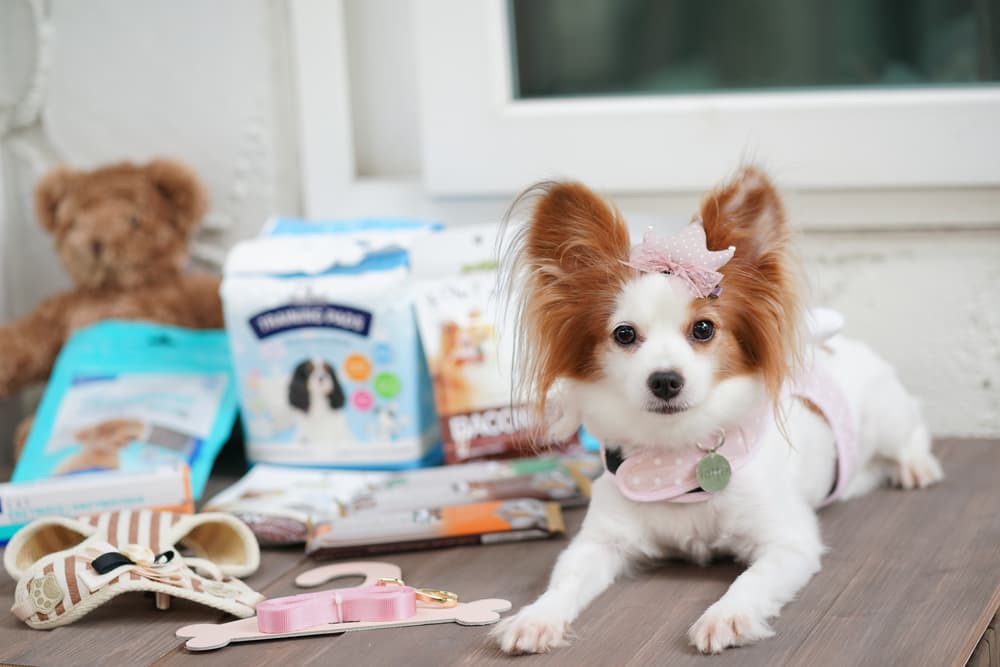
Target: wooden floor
x=912 y=578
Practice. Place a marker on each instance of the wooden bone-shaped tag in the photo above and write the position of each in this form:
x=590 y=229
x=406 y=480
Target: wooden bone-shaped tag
x=208 y=636
x=371 y=570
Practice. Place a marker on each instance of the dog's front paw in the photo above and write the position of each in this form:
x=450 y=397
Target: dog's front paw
x=722 y=626
x=917 y=471
x=531 y=630
x=562 y=417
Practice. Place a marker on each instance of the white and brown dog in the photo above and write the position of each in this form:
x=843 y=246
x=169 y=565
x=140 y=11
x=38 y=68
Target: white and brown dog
x=725 y=426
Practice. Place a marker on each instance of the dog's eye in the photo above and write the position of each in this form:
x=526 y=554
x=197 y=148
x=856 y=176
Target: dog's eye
x=133 y=222
x=624 y=334
x=703 y=330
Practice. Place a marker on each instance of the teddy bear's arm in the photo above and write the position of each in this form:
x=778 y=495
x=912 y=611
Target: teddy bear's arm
x=187 y=301
x=201 y=300
x=28 y=346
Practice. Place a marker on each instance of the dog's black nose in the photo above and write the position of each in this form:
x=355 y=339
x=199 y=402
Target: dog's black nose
x=665 y=384
x=97 y=247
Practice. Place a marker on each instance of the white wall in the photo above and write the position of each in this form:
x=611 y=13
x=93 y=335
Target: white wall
x=207 y=83
x=929 y=303
x=383 y=87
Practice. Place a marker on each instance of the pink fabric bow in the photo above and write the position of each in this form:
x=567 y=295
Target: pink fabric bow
x=685 y=255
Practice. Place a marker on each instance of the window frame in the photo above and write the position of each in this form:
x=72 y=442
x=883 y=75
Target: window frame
x=479 y=145
x=819 y=139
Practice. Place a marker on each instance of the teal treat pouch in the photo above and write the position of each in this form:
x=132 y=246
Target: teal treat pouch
x=325 y=346
x=130 y=397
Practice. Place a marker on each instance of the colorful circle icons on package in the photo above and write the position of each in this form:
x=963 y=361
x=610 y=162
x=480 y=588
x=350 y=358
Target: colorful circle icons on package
x=382 y=354
x=357 y=367
x=363 y=400
x=387 y=385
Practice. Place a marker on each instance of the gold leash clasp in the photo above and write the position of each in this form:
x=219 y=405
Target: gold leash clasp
x=440 y=598
x=389 y=581
x=433 y=596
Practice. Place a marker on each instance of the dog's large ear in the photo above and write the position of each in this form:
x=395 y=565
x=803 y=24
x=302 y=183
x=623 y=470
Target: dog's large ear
x=298 y=387
x=41 y=538
x=337 y=399
x=747 y=213
x=568 y=265
x=51 y=190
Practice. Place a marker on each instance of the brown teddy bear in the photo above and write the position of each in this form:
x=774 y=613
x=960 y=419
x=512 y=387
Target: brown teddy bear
x=122 y=232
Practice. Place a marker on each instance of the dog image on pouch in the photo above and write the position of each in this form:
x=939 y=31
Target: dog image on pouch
x=467 y=372
x=100 y=445
x=315 y=394
x=459 y=350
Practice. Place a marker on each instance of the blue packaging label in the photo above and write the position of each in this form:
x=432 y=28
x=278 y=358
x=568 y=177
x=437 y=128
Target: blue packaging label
x=300 y=316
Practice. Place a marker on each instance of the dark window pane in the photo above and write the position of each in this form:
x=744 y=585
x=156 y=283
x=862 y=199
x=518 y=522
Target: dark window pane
x=607 y=47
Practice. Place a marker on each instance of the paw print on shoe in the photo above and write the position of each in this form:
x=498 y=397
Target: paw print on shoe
x=45 y=593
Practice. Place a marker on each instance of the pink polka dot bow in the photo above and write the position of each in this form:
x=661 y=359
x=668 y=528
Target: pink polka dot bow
x=684 y=255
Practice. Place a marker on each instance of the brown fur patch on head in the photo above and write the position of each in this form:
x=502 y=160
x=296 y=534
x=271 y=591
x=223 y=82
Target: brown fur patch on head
x=760 y=305
x=569 y=268
x=123 y=225
x=730 y=359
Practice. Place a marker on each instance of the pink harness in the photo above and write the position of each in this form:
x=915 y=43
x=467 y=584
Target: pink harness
x=652 y=476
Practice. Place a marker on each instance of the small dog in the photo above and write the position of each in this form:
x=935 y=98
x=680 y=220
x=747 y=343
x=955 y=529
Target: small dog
x=100 y=445
x=316 y=394
x=724 y=427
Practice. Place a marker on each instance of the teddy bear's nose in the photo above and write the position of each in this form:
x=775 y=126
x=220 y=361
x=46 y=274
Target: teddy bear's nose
x=97 y=247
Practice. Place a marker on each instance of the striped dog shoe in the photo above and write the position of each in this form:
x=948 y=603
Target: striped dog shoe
x=67 y=567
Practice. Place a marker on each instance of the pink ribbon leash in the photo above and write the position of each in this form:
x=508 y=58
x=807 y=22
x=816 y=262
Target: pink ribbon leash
x=341 y=605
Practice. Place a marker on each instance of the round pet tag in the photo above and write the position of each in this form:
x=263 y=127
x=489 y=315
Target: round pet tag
x=714 y=472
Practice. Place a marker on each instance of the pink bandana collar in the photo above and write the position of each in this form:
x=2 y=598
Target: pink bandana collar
x=671 y=475
x=684 y=255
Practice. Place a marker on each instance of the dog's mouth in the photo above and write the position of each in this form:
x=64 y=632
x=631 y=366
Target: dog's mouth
x=665 y=408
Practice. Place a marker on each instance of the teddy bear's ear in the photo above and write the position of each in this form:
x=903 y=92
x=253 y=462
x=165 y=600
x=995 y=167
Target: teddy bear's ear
x=49 y=192
x=182 y=189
